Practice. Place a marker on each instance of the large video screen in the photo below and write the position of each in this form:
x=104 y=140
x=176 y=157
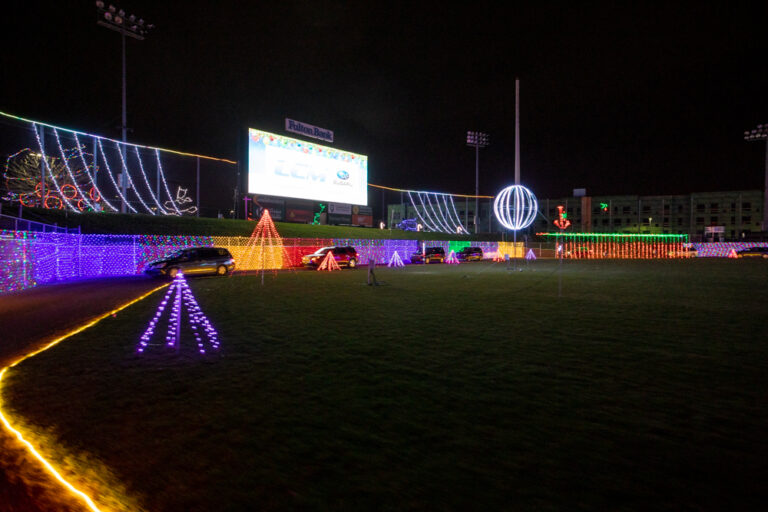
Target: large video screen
x=287 y=167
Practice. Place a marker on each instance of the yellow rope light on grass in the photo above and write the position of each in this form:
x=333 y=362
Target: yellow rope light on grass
x=31 y=449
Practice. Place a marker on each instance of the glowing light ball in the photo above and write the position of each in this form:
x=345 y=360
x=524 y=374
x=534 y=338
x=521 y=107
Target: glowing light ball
x=515 y=207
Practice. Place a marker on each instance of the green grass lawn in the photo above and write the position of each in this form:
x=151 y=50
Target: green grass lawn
x=645 y=387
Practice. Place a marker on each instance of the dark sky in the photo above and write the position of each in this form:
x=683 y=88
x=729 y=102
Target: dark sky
x=651 y=98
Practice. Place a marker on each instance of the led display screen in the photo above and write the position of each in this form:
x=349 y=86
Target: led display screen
x=286 y=167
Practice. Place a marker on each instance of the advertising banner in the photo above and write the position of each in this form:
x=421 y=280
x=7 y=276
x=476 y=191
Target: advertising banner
x=299 y=215
x=338 y=219
x=341 y=209
x=286 y=167
x=362 y=220
x=275 y=207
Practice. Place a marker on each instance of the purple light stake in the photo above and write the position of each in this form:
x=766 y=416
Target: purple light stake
x=529 y=255
x=452 y=259
x=395 y=260
x=197 y=320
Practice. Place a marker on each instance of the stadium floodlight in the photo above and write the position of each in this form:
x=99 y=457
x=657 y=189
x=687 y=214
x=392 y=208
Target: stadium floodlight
x=477 y=140
x=113 y=20
x=761 y=133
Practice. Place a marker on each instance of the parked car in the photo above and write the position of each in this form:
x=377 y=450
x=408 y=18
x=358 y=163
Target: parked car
x=345 y=256
x=193 y=261
x=430 y=255
x=470 y=254
x=753 y=252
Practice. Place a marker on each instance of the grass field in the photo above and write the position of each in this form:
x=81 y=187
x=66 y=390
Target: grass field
x=644 y=387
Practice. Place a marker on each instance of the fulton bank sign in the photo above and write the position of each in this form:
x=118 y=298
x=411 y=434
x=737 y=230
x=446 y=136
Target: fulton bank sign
x=308 y=130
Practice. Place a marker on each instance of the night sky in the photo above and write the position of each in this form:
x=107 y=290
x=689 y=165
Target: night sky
x=642 y=99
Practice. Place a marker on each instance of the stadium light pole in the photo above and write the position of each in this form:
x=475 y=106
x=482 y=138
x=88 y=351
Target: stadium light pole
x=477 y=140
x=761 y=133
x=115 y=19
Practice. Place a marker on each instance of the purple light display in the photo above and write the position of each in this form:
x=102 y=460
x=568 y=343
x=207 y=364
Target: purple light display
x=201 y=327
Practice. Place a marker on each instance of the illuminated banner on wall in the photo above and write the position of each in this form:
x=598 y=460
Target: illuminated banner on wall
x=286 y=167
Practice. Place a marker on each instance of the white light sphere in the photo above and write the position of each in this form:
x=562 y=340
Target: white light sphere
x=515 y=207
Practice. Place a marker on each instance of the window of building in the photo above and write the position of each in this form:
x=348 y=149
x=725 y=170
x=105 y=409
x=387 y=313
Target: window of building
x=646 y=208
x=617 y=222
x=666 y=221
x=699 y=208
x=733 y=220
x=746 y=206
x=666 y=208
x=699 y=220
x=714 y=207
x=625 y=210
x=679 y=208
x=605 y=222
x=713 y=220
x=679 y=221
x=746 y=219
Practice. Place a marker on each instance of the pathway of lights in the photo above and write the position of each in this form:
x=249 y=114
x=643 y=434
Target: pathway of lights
x=437 y=212
x=201 y=327
x=515 y=207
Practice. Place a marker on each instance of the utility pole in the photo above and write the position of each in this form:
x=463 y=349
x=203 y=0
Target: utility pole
x=115 y=19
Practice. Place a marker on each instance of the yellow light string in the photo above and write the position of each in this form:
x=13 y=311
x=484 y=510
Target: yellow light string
x=403 y=190
x=31 y=449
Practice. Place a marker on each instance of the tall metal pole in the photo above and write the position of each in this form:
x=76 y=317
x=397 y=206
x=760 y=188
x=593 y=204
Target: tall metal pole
x=42 y=166
x=124 y=179
x=198 y=186
x=517 y=132
x=477 y=183
x=765 y=191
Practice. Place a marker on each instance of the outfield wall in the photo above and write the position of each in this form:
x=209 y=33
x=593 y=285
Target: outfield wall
x=31 y=258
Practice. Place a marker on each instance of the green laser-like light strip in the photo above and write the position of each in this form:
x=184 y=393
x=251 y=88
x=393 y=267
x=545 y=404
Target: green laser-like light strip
x=612 y=235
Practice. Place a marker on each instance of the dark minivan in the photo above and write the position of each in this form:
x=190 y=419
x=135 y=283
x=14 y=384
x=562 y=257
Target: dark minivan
x=193 y=261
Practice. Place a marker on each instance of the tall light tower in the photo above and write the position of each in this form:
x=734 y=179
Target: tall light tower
x=761 y=133
x=477 y=140
x=131 y=26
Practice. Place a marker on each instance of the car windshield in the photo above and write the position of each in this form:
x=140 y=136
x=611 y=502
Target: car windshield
x=175 y=254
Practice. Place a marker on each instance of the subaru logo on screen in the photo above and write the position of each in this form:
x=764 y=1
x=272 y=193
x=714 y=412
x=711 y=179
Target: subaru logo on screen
x=343 y=175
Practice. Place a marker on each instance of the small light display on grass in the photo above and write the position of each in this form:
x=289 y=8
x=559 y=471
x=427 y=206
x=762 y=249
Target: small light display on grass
x=265 y=249
x=498 y=256
x=452 y=259
x=732 y=254
x=329 y=263
x=529 y=255
x=395 y=260
x=201 y=327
